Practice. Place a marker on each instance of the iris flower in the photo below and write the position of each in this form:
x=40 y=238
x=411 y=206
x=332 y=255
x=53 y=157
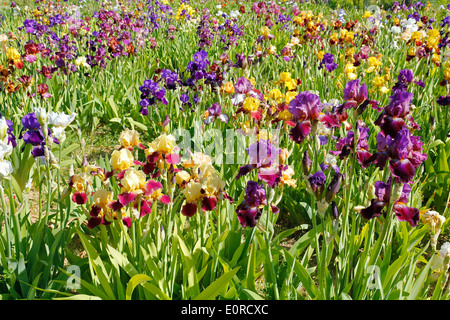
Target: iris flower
x=215 y=111
x=249 y=210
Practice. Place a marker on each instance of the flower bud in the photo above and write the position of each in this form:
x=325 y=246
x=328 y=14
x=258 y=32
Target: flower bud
x=41 y=115
x=52 y=160
x=397 y=191
x=334 y=210
x=333 y=187
x=6 y=169
x=306 y=163
x=445 y=250
x=370 y=191
x=3 y=128
x=84 y=163
x=432 y=124
x=322 y=207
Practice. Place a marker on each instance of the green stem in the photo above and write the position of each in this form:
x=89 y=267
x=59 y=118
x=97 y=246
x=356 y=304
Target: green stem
x=15 y=218
x=6 y=216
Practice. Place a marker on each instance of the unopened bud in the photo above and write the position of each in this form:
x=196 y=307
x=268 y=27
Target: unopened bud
x=397 y=191
x=3 y=128
x=334 y=210
x=432 y=124
x=41 y=115
x=333 y=187
x=322 y=207
x=306 y=164
x=52 y=160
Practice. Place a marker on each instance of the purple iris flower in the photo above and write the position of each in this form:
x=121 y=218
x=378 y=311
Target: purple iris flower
x=355 y=93
x=170 y=77
x=58 y=19
x=197 y=67
x=196 y=99
x=199 y=61
x=328 y=62
x=415 y=16
x=305 y=106
x=9 y=132
x=406 y=157
x=317 y=183
x=345 y=146
x=263 y=153
x=32 y=134
x=324 y=167
x=150 y=92
x=184 y=98
x=29 y=25
x=405 y=77
x=30 y=122
x=242 y=86
x=241 y=61
x=255 y=195
x=443 y=100
x=263 y=156
x=215 y=111
x=33 y=137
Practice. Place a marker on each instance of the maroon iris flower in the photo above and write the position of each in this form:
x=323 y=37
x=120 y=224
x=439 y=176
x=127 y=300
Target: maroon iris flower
x=405 y=152
x=404 y=213
x=249 y=212
x=374 y=210
x=393 y=117
x=301 y=130
x=383 y=198
x=345 y=146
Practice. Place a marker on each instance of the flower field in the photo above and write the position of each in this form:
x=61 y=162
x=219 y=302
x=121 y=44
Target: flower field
x=228 y=150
